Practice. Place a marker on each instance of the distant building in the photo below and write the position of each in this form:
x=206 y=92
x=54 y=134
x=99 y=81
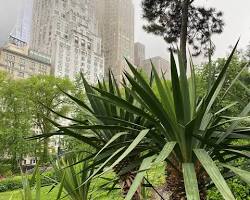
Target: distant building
x=139 y=54
x=68 y=31
x=160 y=64
x=20 y=62
x=22 y=29
x=116 y=20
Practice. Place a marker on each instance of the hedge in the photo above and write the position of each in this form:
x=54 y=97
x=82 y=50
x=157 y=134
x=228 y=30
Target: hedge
x=14 y=183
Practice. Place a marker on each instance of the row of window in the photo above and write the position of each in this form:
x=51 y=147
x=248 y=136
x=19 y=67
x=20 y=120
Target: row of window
x=11 y=65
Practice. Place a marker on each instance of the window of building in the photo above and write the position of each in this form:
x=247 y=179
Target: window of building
x=76 y=40
x=83 y=43
x=22 y=61
x=89 y=46
x=10 y=64
x=21 y=74
x=10 y=57
x=22 y=67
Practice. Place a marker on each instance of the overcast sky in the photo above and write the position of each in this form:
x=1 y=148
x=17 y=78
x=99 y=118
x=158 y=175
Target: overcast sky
x=237 y=20
x=236 y=16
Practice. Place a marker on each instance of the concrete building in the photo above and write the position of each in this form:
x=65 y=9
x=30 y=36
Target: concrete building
x=20 y=62
x=68 y=31
x=116 y=19
x=160 y=64
x=139 y=54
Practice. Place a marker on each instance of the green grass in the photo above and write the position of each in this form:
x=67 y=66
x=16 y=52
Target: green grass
x=155 y=175
x=16 y=195
x=46 y=195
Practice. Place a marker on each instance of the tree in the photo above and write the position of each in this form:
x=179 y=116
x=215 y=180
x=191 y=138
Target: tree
x=44 y=91
x=239 y=92
x=248 y=53
x=181 y=20
x=16 y=121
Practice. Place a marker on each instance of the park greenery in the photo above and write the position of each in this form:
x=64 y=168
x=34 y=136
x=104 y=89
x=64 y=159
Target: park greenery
x=142 y=138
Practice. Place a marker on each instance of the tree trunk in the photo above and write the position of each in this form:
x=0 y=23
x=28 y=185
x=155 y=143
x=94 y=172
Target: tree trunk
x=127 y=178
x=184 y=32
x=14 y=162
x=45 y=150
x=175 y=184
x=126 y=182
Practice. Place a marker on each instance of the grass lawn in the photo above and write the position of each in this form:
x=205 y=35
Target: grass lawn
x=156 y=176
x=16 y=195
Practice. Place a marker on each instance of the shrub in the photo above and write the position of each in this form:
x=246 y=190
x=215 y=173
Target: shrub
x=14 y=183
x=240 y=190
x=5 y=170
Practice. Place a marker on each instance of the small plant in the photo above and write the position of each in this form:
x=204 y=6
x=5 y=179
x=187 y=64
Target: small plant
x=27 y=191
x=72 y=174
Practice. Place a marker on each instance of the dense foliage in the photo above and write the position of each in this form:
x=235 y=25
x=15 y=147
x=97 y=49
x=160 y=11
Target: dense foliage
x=22 y=115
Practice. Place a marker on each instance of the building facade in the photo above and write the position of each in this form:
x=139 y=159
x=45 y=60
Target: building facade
x=161 y=65
x=116 y=19
x=68 y=31
x=139 y=54
x=20 y=62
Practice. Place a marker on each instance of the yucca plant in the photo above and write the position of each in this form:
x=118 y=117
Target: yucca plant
x=163 y=123
x=109 y=130
x=194 y=141
x=27 y=191
x=70 y=174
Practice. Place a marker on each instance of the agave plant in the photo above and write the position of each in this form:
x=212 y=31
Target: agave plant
x=109 y=130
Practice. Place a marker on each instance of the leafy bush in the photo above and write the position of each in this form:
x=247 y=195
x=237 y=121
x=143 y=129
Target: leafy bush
x=5 y=170
x=10 y=184
x=14 y=183
x=240 y=190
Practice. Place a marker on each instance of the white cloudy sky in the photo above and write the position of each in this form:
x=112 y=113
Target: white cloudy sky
x=236 y=15
x=237 y=19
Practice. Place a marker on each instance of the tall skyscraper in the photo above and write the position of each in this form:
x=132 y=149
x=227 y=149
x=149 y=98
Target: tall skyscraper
x=116 y=19
x=68 y=31
x=139 y=54
x=22 y=28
